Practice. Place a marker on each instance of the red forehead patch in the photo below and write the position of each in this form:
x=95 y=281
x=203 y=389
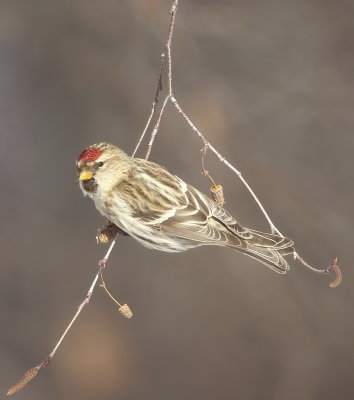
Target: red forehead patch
x=89 y=155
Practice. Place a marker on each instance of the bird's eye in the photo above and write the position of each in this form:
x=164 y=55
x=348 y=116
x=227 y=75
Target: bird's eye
x=100 y=163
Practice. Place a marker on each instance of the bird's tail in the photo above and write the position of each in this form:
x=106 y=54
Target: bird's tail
x=266 y=248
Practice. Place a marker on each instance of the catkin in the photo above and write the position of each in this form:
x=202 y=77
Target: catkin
x=217 y=194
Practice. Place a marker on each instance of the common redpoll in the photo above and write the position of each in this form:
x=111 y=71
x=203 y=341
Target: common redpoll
x=161 y=211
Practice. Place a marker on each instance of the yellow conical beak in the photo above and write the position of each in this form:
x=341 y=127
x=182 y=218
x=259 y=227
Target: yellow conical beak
x=85 y=176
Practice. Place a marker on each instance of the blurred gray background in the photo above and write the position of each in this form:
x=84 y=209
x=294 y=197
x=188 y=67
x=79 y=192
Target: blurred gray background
x=271 y=85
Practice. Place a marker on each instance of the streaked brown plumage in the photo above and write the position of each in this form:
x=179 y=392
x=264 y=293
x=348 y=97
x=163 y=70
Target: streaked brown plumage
x=163 y=212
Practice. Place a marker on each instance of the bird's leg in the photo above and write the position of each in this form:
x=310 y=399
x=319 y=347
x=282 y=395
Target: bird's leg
x=108 y=232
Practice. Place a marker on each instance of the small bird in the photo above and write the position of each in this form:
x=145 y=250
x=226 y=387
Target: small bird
x=145 y=201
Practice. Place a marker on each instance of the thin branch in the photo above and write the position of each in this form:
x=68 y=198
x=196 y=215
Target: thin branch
x=156 y=128
x=31 y=373
x=172 y=12
x=273 y=228
x=154 y=103
x=207 y=145
x=124 y=309
x=81 y=306
x=168 y=45
x=205 y=172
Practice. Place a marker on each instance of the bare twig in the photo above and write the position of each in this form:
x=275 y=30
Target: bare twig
x=31 y=373
x=156 y=127
x=154 y=103
x=273 y=228
x=167 y=50
x=170 y=96
x=207 y=145
x=173 y=13
x=334 y=267
x=123 y=309
x=205 y=172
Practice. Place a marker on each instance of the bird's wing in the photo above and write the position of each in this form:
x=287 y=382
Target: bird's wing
x=161 y=199
x=204 y=220
x=199 y=218
x=193 y=220
x=151 y=193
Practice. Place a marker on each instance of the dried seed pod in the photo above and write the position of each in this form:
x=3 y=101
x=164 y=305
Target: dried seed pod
x=125 y=311
x=337 y=274
x=30 y=374
x=217 y=194
x=102 y=238
x=107 y=233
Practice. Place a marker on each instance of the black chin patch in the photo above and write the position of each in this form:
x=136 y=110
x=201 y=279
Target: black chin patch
x=90 y=185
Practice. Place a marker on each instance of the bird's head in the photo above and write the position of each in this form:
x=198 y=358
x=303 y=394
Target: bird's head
x=101 y=166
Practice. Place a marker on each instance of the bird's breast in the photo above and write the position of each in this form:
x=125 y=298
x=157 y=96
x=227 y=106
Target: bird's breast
x=117 y=210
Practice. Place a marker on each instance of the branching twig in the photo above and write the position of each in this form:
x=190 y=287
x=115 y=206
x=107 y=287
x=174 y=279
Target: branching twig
x=170 y=96
x=167 y=50
x=154 y=103
x=156 y=127
x=173 y=12
x=31 y=373
x=205 y=172
x=124 y=309
x=207 y=145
